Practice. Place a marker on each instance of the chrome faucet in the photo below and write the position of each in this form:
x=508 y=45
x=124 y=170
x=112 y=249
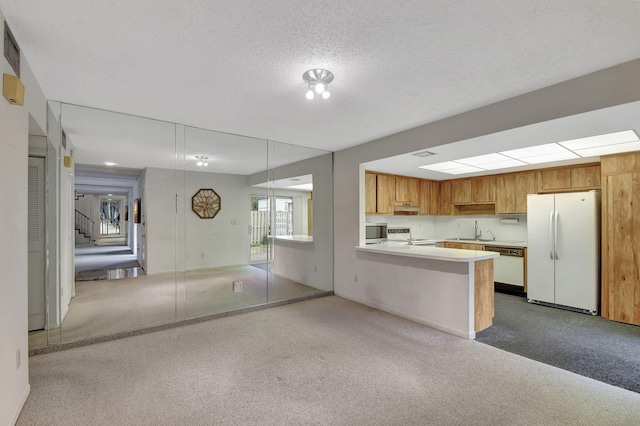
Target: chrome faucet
x=494 y=237
x=478 y=233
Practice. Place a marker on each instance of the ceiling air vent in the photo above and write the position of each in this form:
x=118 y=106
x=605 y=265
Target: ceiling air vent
x=11 y=50
x=423 y=154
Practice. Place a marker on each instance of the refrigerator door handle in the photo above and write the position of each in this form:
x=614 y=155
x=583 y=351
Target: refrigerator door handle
x=555 y=235
x=551 y=240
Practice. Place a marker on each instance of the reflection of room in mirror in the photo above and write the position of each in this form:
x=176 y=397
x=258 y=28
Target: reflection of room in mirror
x=164 y=264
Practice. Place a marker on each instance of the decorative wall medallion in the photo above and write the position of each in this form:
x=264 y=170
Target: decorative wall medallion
x=205 y=203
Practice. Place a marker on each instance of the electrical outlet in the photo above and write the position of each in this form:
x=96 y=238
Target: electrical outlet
x=234 y=222
x=355 y=278
x=201 y=255
x=315 y=268
x=18 y=358
x=237 y=286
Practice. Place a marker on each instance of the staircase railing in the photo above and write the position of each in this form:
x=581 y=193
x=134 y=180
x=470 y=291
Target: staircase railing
x=84 y=225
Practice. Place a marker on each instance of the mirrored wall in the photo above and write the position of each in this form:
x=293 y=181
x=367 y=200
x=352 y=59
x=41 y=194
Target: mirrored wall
x=152 y=223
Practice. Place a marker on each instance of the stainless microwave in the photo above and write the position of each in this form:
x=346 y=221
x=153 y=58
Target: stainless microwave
x=376 y=233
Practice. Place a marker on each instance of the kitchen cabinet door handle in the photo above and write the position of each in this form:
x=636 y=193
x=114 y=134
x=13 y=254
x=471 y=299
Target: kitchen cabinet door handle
x=551 y=247
x=555 y=235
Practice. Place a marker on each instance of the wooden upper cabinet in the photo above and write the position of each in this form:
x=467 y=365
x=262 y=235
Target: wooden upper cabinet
x=505 y=194
x=370 y=193
x=385 y=194
x=435 y=198
x=446 y=207
x=407 y=189
x=477 y=190
x=424 y=196
x=483 y=189
x=512 y=190
x=461 y=191
x=551 y=180
x=587 y=177
x=571 y=178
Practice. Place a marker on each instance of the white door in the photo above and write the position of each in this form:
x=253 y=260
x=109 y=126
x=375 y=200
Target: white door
x=577 y=257
x=37 y=265
x=540 y=250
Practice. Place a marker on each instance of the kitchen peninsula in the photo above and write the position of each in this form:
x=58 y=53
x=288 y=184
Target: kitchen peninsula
x=448 y=289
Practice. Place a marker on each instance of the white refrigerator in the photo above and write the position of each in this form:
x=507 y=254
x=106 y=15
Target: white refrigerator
x=563 y=250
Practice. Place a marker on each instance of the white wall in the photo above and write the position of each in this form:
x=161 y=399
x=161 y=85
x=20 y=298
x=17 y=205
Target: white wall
x=464 y=227
x=430 y=227
x=14 y=142
x=221 y=241
x=37 y=146
x=311 y=264
x=595 y=91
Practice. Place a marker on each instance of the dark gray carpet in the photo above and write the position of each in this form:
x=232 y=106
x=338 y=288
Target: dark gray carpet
x=588 y=345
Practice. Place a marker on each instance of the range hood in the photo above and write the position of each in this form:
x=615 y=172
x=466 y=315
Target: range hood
x=406 y=208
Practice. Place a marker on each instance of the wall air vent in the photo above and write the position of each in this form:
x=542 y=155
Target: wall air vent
x=11 y=50
x=423 y=154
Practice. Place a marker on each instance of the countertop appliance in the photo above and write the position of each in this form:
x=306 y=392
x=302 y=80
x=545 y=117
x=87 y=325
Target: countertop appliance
x=403 y=235
x=508 y=269
x=375 y=233
x=398 y=234
x=564 y=250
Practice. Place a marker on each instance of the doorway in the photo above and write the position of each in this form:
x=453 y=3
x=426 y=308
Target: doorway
x=37 y=244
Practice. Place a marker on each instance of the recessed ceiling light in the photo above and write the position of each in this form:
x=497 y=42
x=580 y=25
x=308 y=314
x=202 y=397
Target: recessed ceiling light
x=609 y=149
x=534 y=151
x=482 y=159
x=463 y=169
x=548 y=158
x=110 y=164
x=600 y=140
x=592 y=146
x=439 y=167
x=508 y=163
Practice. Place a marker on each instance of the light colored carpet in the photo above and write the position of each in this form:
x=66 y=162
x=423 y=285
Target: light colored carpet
x=105 y=307
x=326 y=361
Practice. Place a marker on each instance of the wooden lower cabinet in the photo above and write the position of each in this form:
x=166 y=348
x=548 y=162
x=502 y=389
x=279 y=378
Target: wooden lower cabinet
x=483 y=285
x=483 y=294
x=464 y=246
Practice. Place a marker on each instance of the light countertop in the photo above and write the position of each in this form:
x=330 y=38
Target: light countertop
x=428 y=252
x=502 y=243
x=304 y=239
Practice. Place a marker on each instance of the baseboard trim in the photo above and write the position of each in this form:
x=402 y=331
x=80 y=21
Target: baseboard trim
x=432 y=324
x=181 y=323
x=21 y=402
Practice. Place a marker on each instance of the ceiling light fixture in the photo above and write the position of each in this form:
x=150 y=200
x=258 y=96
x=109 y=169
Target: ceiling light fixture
x=110 y=164
x=592 y=146
x=202 y=160
x=318 y=82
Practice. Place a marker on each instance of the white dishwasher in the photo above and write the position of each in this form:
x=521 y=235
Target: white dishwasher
x=509 y=267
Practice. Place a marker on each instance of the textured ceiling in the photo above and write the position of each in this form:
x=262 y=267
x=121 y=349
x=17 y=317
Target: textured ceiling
x=236 y=66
